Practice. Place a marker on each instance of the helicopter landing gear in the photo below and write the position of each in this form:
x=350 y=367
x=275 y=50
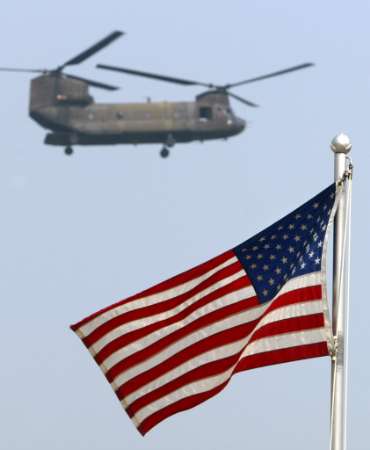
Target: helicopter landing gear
x=68 y=150
x=165 y=153
x=170 y=142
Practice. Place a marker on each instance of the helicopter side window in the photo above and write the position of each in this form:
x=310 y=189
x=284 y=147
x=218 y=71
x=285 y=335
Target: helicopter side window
x=205 y=113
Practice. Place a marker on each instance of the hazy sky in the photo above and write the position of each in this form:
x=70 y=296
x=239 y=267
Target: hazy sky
x=80 y=233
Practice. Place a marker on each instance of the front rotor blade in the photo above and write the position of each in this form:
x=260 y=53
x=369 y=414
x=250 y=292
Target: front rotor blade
x=11 y=69
x=91 y=50
x=97 y=84
x=243 y=100
x=270 y=75
x=154 y=76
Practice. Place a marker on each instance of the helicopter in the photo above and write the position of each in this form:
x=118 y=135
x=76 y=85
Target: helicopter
x=61 y=103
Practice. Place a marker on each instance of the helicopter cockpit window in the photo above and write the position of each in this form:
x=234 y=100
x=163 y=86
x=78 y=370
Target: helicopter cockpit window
x=205 y=113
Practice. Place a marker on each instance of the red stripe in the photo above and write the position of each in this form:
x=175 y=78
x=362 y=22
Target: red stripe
x=223 y=364
x=276 y=357
x=217 y=340
x=134 y=335
x=158 y=308
x=283 y=355
x=181 y=405
x=156 y=347
x=296 y=296
x=164 y=285
x=289 y=325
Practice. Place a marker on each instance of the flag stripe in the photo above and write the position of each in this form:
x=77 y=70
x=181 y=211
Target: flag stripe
x=206 y=384
x=135 y=330
x=226 y=357
x=274 y=357
x=184 y=335
x=144 y=316
x=125 y=384
x=292 y=317
x=161 y=292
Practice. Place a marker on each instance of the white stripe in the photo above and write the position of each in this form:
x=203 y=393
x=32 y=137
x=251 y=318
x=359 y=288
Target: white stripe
x=298 y=282
x=140 y=323
x=285 y=312
x=155 y=336
x=303 y=281
x=89 y=327
x=204 y=385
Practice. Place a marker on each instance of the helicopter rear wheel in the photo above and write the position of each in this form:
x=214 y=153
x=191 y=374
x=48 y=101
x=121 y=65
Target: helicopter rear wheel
x=68 y=150
x=165 y=153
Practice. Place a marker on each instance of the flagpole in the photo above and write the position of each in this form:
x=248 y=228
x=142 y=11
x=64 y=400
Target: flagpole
x=341 y=146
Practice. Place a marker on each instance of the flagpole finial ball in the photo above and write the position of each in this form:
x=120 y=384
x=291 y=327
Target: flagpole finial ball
x=341 y=144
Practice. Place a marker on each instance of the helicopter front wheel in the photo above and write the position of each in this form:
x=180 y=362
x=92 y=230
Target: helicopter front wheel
x=68 y=150
x=165 y=153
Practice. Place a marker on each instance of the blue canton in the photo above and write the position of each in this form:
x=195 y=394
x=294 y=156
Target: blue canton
x=289 y=248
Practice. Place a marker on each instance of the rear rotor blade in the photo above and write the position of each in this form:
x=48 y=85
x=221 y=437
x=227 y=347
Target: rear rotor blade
x=11 y=69
x=242 y=100
x=270 y=75
x=155 y=76
x=91 y=50
x=97 y=84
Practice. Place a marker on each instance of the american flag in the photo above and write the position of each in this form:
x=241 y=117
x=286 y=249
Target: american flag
x=178 y=343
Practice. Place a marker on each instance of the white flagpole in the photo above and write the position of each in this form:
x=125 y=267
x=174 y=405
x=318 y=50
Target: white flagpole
x=340 y=145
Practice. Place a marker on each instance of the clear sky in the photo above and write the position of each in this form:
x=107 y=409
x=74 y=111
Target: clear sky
x=80 y=233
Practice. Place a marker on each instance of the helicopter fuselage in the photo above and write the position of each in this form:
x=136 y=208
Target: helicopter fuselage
x=65 y=107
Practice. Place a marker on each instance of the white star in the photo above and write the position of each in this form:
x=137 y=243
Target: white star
x=255 y=248
x=265 y=267
x=273 y=237
x=317 y=261
x=253 y=266
x=291 y=249
x=278 y=247
x=266 y=246
x=265 y=292
x=284 y=260
x=262 y=239
x=272 y=257
x=278 y=270
x=316 y=205
x=260 y=278
x=303 y=227
x=248 y=257
x=297 y=216
x=285 y=237
x=309 y=216
x=259 y=256
x=280 y=227
x=297 y=238
x=311 y=254
x=303 y=265
x=319 y=244
x=291 y=226
x=271 y=281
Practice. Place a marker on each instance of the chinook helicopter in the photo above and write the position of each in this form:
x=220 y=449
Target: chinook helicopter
x=61 y=103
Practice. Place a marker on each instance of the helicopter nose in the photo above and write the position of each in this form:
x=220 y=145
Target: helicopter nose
x=240 y=124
